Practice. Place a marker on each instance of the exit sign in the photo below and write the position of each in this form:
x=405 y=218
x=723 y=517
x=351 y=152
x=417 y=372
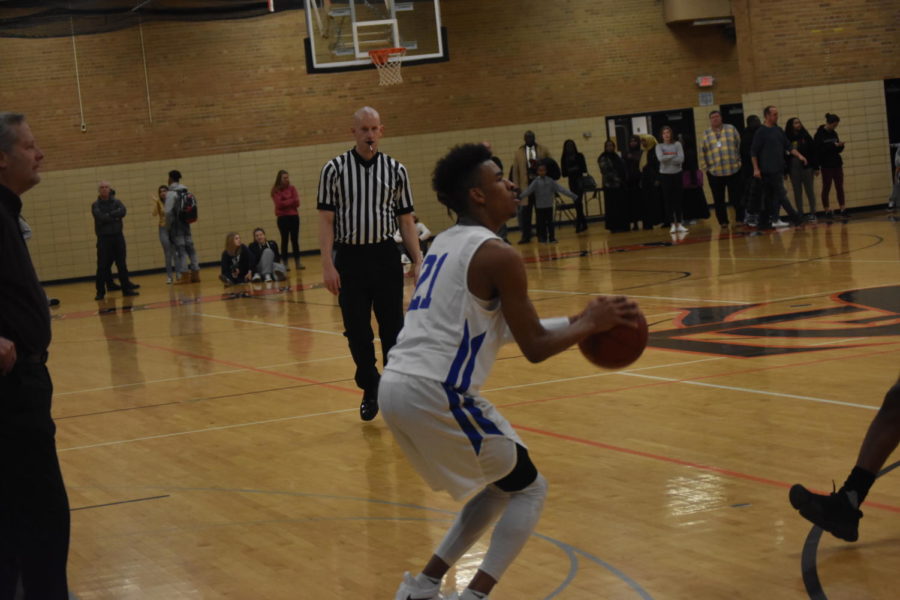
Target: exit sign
x=706 y=81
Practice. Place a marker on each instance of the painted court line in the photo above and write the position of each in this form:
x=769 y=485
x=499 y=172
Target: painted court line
x=601 y=374
x=570 y=293
x=683 y=257
x=749 y=390
x=267 y=324
x=208 y=429
x=231 y=364
x=168 y=379
x=666 y=381
x=678 y=461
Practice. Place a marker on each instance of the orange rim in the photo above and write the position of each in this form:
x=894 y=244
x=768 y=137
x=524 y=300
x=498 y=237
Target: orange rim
x=381 y=55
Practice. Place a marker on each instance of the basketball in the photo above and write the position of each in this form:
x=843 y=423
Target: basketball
x=618 y=347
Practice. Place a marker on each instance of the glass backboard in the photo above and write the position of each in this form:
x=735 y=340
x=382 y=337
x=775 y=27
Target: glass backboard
x=341 y=32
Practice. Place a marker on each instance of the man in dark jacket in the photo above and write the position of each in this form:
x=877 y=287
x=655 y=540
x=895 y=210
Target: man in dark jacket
x=108 y=213
x=34 y=508
x=768 y=151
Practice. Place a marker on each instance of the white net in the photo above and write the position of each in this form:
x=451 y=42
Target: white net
x=388 y=63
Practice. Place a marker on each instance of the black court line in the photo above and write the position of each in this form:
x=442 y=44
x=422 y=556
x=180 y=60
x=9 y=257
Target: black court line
x=808 y=568
x=202 y=398
x=120 y=502
x=114 y=410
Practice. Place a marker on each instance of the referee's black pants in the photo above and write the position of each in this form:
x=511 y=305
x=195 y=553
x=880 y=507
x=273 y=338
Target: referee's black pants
x=34 y=508
x=371 y=277
x=110 y=249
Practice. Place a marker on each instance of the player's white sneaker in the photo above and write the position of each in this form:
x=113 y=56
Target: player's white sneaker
x=411 y=590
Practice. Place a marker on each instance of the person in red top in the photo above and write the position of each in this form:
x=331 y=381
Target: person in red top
x=287 y=201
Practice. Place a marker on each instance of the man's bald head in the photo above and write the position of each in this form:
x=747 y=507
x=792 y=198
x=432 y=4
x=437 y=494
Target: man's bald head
x=367 y=129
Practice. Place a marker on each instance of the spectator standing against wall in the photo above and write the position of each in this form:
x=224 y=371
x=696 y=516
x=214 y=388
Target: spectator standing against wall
x=750 y=185
x=828 y=151
x=613 y=171
x=632 y=158
x=159 y=211
x=287 y=206
x=720 y=159
x=574 y=168
x=180 y=232
x=108 y=212
x=802 y=175
x=670 y=155
x=768 y=152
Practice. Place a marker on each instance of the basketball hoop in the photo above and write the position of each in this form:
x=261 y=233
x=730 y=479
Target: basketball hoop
x=388 y=62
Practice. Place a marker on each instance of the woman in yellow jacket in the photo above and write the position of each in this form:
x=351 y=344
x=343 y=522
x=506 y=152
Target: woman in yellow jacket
x=168 y=247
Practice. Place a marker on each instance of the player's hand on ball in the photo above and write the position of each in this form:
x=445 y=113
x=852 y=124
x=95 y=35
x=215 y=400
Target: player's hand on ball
x=606 y=312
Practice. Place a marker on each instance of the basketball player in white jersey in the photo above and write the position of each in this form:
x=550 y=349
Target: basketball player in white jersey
x=471 y=297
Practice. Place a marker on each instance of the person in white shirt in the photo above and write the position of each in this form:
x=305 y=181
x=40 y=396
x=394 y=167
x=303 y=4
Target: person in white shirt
x=471 y=298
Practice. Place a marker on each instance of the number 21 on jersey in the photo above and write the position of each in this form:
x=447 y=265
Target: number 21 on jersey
x=430 y=270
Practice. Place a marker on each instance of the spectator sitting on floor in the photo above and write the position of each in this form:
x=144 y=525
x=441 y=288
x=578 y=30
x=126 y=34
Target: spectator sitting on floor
x=263 y=255
x=235 y=261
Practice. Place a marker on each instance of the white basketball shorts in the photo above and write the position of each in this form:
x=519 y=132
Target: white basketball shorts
x=456 y=442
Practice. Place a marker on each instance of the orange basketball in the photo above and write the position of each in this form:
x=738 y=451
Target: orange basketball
x=618 y=347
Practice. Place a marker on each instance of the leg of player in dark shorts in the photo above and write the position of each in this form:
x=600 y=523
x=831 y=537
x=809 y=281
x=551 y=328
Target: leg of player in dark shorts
x=839 y=512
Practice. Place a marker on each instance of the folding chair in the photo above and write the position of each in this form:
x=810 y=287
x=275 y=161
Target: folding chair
x=564 y=210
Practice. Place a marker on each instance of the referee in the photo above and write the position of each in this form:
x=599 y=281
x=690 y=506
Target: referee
x=362 y=195
x=34 y=509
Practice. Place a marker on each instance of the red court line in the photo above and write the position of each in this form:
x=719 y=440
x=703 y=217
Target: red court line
x=688 y=380
x=232 y=364
x=684 y=463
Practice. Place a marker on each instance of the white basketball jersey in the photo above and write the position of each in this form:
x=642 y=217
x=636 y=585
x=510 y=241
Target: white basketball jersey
x=450 y=335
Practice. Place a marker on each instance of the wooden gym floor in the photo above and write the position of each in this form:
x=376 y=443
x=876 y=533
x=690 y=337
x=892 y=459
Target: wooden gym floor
x=212 y=447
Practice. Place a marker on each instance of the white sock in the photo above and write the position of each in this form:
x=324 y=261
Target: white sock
x=475 y=517
x=515 y=527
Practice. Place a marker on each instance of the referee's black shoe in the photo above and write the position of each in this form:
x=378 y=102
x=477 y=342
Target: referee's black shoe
x=368 y=408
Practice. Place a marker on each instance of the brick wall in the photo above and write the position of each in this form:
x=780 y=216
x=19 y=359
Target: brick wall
x=233 y=86
x=797 y=44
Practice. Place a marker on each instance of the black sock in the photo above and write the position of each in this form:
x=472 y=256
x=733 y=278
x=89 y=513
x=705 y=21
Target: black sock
x=859 y=481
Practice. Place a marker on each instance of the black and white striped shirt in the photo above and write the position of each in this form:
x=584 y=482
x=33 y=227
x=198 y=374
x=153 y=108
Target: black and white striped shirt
x=366 y=197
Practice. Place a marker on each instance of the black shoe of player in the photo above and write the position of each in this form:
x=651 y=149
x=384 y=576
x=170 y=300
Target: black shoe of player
x=368 y=408
x=113 y=287
x=833 y=513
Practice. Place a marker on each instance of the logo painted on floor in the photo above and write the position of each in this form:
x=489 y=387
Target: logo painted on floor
x=859 y=318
